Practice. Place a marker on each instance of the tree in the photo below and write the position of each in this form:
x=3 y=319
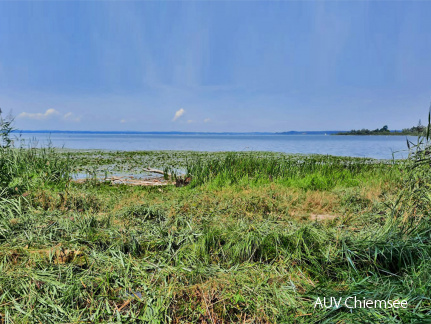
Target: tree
x=384 y=128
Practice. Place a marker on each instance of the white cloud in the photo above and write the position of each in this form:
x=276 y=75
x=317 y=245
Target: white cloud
x=178 y=114
x=206 y=120
x=122 y=121
x=71 y=117
x=39 y=116
x=48 y=114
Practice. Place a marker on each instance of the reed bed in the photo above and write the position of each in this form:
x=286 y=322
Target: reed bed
x=307 y=171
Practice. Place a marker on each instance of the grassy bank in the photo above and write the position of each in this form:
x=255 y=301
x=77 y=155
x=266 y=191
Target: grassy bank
x=256 y=237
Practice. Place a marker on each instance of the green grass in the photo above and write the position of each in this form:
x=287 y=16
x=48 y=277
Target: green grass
x=238 y=245
x=312 y=172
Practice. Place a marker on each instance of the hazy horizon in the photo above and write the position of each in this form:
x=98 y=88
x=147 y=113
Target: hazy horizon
x=173 y=131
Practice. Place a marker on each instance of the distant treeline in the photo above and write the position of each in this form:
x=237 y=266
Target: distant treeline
x=413 y=131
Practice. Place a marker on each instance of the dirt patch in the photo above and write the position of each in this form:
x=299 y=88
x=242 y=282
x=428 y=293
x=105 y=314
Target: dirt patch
x=322 y=217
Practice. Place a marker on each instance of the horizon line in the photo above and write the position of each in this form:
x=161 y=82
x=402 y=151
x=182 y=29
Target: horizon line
x=166 y=132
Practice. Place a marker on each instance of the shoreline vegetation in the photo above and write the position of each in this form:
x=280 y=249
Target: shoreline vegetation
x=418 y=130
x=254 y=237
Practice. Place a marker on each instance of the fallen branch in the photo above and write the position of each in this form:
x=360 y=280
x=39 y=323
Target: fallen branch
x=156 y=171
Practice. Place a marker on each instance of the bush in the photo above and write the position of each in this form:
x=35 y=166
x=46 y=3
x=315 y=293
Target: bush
x=6 y=128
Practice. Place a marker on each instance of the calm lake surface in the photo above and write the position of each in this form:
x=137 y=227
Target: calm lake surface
x=380 y=147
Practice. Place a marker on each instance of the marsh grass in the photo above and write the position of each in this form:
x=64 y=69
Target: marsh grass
x=314 y=172
x=237 y=245
x=22 y=169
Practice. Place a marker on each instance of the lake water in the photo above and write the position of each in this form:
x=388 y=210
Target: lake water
x=380 y=147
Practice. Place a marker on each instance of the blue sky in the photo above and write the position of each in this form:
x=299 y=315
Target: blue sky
x=215 y=66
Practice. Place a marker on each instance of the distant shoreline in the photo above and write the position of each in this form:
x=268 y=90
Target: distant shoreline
x=389 y=134
x=412 y=131
x=290 y=133
x=174 y=132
